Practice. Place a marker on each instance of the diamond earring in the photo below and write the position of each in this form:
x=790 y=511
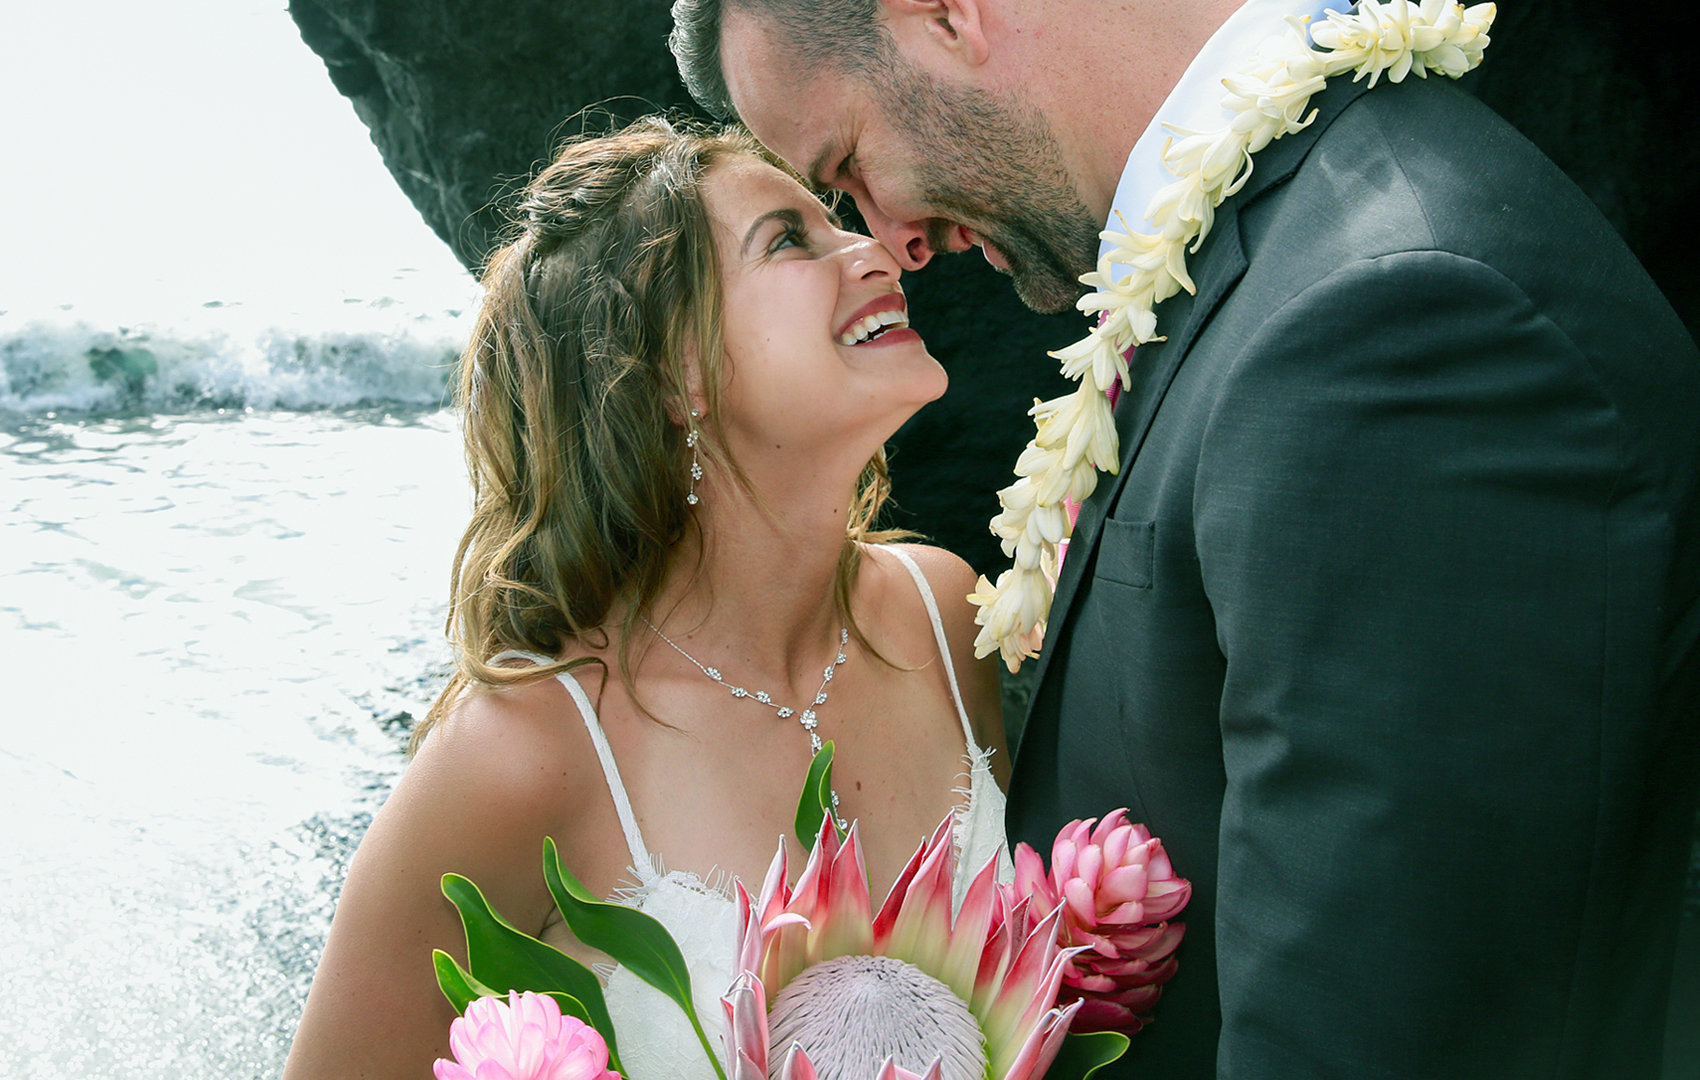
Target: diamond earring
x=696 y=466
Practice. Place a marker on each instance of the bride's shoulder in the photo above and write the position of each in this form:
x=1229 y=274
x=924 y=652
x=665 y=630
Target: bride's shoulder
x=949 y=577
x=524 y=744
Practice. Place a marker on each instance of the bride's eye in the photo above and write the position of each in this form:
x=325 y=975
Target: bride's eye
x=792 y=236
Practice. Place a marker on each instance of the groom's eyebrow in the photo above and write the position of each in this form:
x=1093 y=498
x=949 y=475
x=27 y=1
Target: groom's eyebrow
x=785 y=214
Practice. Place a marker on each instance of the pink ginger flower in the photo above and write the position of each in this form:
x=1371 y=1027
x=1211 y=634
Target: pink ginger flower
x=1116 y=891
x=523 y=1038
x=904 y=994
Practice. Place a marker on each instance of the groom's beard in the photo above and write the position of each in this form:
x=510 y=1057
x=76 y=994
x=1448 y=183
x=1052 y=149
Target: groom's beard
x=997 y=170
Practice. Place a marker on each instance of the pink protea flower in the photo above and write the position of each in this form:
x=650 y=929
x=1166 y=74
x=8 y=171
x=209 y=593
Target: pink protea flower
x=905 y=994
x=523 y=1038
x=1117 y=891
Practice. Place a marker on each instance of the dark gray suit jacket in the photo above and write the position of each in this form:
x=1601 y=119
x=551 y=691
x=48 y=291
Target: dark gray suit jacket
x=1388 y=625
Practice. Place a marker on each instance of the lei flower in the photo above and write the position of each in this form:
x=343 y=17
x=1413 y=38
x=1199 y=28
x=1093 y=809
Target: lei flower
x=1076 y=437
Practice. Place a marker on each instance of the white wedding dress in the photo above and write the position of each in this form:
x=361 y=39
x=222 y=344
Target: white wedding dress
x=655 y=1040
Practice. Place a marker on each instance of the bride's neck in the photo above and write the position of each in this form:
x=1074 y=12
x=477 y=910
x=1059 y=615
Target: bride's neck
x=759 y=576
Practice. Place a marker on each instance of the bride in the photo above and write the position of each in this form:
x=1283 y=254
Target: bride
x=672 y=588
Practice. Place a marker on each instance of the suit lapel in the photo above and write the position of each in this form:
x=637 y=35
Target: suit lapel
x=1215 y=270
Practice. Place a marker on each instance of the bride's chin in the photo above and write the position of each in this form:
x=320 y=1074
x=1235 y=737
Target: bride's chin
x=923 y=381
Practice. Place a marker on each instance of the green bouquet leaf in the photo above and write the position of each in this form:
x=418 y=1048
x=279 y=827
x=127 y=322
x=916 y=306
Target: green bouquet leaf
x=1084 y=1053
x=462 y=989
x=457 y=983
x=634 y=940
x=815 y=804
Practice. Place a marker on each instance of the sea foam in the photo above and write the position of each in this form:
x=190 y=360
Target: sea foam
x=97 y=368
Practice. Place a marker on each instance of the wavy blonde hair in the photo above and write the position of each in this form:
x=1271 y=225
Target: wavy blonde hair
x=573 y=389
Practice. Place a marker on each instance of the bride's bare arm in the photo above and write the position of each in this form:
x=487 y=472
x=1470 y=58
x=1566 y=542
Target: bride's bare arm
x=489 y=783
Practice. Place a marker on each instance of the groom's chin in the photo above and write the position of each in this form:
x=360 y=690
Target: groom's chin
x=1041 y=280
x=1045 y=292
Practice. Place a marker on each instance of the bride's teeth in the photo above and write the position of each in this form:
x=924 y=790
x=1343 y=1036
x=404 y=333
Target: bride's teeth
x=871 y=325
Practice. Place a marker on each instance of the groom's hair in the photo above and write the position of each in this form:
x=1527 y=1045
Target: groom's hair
x=840 y=35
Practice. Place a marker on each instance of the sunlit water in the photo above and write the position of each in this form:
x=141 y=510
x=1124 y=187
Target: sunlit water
x=215 y=630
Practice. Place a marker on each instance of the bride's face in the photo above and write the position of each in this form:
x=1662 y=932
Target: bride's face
x=818 y=351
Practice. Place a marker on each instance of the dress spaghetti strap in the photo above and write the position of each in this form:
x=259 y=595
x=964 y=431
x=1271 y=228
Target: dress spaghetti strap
x=978 y=830
x=605 y=754
x=932 y=606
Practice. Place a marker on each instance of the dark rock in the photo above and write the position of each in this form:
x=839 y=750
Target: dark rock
x=465 y=97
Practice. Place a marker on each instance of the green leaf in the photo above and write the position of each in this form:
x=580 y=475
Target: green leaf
x=502 y=957
x=457 y=983
x=1084 y=1053
x=462 y=989
x=634 y=940
x=815 y=804
x=572 y=1006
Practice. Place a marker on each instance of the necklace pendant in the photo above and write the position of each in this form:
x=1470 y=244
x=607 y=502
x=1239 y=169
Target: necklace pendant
x=807 y=719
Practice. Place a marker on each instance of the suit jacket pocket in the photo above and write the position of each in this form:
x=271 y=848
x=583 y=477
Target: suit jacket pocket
x=1127 y=552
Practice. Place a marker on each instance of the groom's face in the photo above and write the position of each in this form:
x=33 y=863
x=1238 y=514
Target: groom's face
x=933 y=166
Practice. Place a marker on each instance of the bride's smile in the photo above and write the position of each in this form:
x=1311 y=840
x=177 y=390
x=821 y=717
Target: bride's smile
x=885 y=320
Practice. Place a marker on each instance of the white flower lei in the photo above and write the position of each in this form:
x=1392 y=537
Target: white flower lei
x=1076 y=434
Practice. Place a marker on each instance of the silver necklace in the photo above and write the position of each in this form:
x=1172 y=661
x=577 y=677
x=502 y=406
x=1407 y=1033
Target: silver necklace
x=807 y=717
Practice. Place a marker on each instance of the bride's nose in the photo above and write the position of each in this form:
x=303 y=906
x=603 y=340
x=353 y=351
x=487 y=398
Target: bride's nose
x=865 y=258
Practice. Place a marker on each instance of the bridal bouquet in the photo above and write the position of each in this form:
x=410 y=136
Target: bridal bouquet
x=1044 y=976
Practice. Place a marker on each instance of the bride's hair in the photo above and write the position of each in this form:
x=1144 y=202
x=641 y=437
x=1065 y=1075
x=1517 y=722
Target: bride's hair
x=574 y=389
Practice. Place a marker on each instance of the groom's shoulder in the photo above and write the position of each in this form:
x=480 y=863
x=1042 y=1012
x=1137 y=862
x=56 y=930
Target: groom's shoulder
x=1424 y=163
x=1423 y=166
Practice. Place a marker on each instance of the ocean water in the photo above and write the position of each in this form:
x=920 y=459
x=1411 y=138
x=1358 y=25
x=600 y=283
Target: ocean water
x=224 y=553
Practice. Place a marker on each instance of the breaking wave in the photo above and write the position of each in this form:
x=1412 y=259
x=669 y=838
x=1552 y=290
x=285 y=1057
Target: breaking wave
x=101 y=370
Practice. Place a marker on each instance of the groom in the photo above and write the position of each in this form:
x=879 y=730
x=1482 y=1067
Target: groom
x=1388 y=622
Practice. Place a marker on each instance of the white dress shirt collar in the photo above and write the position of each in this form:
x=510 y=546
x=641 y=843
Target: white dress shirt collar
x=1196 y=101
